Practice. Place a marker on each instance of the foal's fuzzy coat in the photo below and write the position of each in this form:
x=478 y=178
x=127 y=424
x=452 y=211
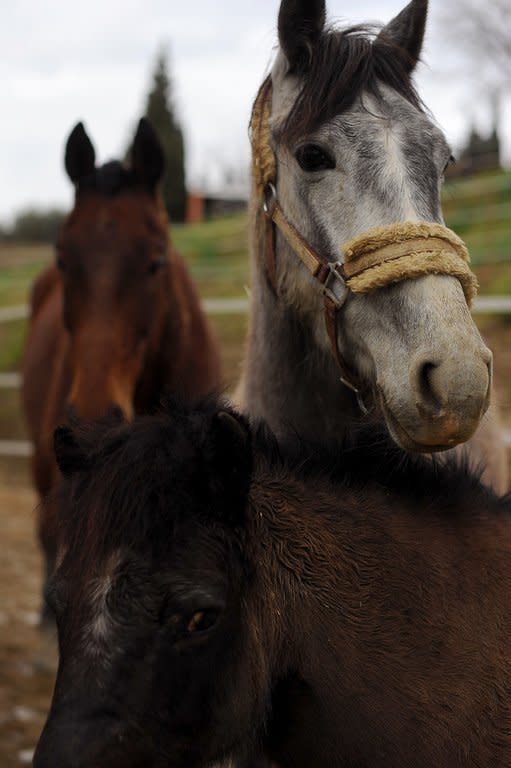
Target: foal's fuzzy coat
x=331 y=610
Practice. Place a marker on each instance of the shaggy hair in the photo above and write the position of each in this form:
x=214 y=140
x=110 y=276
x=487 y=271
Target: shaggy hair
x=342 y=66
x=127 y=479
x=109 y=180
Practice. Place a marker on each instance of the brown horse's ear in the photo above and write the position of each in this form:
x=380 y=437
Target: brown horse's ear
x=70 y=455
x=147 y=157
x=80 y=157
x=301 y=22
x=231 y=463
x=407 y=31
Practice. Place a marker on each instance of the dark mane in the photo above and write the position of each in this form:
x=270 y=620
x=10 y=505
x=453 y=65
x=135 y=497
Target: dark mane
x=344 y=64
x=147 y=472
x=368 y=456
x=108 y=180
x=132 y=472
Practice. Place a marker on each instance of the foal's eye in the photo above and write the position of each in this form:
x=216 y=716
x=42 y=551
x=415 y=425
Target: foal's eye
x=312 y=157
x=201 y=621
x=61 y=264
x=190 y=624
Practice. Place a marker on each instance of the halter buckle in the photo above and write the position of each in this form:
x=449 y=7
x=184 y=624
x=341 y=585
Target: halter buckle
x=333 y=280
x=270 y=199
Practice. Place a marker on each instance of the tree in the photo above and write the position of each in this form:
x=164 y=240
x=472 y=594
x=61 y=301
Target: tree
x=160 y=112
x=36 y=226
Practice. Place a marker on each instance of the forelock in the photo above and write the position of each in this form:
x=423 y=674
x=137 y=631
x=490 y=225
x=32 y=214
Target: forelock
x=345 y=64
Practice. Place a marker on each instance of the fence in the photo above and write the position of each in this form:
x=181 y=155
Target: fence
x=21 y=448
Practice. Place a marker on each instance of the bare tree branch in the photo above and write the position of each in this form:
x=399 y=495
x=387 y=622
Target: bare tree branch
x=481 y=31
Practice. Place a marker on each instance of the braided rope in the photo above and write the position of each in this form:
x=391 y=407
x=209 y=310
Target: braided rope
x=388 y=255
x=264 y=162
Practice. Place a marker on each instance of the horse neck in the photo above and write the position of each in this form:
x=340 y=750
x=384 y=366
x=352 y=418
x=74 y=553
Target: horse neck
x=184 y=352
x=164 y=344
x=288 y=378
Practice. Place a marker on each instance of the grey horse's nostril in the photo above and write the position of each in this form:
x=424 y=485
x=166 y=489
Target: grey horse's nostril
x=430 y=402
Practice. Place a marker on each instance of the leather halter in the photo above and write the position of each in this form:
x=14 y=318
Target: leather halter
x=377 y=258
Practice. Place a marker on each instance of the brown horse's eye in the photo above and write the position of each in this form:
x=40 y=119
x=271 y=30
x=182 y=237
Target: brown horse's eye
x=312 y=158
x=156 y=265
x=61 y=264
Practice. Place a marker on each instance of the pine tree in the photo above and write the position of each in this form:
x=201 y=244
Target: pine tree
x=160 y=112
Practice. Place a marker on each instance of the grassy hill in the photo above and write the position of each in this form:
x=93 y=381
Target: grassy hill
x=479 y=210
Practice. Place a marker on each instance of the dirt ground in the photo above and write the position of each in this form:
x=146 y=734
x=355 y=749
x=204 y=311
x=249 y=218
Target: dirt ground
x=27 y=657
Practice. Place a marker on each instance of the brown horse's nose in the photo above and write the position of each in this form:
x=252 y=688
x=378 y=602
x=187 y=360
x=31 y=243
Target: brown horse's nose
x=113 y=413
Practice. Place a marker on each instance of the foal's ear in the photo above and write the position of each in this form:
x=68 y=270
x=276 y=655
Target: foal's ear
x=79 y=157
x=147 y=157
x=231 y=462
x=407 y=31
x=70 y=455
x=301 y=22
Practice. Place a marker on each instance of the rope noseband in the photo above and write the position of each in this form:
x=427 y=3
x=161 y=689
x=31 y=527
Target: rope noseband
x=375 y=259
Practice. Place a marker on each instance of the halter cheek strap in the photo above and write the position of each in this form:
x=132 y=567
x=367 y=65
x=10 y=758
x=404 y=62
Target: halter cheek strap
x=376 y=259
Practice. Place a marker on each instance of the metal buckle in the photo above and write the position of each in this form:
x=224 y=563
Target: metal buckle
x=270 y=199
x=334 y=276
x=357 y=393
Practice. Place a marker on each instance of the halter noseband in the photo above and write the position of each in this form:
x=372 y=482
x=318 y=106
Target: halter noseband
x=375 y=259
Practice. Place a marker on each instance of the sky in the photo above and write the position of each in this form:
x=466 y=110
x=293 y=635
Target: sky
x=64 y=61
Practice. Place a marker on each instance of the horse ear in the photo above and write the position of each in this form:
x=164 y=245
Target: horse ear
x=69 y=453
x=407 y=31
x=80 y=157
x=301 y=22
x=147 y=157
x=231 y=462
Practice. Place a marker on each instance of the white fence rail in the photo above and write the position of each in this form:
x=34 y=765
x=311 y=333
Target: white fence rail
x=483 y=305
x=499 y=305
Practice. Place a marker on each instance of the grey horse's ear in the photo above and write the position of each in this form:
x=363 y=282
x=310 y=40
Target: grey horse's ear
x=301 y=22
x=407 y=31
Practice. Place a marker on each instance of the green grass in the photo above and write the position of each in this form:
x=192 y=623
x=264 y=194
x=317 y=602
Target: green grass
x=479 y=210
x=216 y=253
x=12 y=338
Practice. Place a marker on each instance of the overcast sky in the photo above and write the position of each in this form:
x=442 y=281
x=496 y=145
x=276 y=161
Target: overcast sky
x=64 y=60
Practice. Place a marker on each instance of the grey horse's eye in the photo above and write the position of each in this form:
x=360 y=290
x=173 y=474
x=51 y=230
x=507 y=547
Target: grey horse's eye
x=312 y=157
x=451 y=161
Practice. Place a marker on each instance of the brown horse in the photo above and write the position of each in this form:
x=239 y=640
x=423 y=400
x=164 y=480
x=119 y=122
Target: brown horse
x=219 y=593
x=116 y=321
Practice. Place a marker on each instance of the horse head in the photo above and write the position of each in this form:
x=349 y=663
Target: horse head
x=355 y=150
x=147 y=590
x=112 y=255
